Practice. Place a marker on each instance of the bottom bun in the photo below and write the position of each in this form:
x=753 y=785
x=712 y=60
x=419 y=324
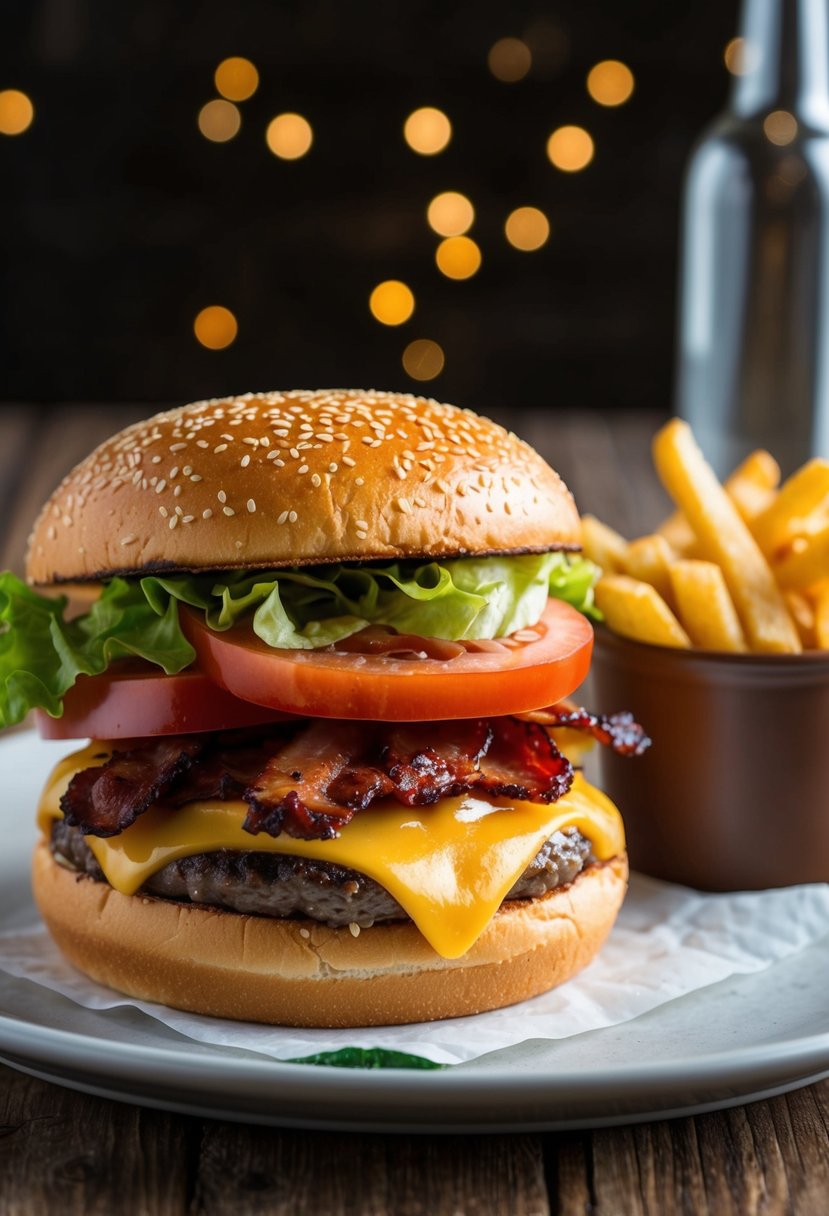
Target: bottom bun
x=301 y=973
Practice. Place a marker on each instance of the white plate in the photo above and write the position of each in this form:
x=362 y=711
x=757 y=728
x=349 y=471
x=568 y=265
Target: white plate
x=745 y=1038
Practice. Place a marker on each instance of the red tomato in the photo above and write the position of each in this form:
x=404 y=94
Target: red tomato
x=136 y=700
x=535 y=668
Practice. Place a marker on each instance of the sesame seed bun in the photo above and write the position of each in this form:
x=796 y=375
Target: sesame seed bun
x=279 y=479
x=300 y=973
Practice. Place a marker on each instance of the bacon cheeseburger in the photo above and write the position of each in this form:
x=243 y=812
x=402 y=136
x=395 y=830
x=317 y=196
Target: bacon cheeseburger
x=322 y=675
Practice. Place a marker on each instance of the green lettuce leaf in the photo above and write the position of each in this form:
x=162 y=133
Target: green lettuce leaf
x=42 y=653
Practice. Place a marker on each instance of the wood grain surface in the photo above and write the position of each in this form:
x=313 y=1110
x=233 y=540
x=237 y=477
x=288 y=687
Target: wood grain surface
x=64 y=1152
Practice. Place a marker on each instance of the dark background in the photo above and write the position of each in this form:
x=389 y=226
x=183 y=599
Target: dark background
x=121 y=221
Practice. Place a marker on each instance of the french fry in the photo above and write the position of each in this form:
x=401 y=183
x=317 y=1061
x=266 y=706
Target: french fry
x=751 y=487
x=803 y=615
x=801 y=507
x=704 y=606
x=725 y=537
x=602 y=545
x=678 y=533
x=822 y=617
x=636 y=610
x=648 y=559
x=806 y=562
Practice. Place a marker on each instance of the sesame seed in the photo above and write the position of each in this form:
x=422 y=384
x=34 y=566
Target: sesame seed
x=359 y=481
x=173 y=522
x=156 y=460
x=354 y=928
x=222 y=497
x=177 y=447
x=187 y=470
x=177 y=491
x=161 y=485
x=67 y=521
x=187 y=519
x=368 y=439
x=404 y=505
x=350 y=461
x=295 y=453
x=303 y=468
x=220 y=447
x=273 y=455
x=251 y=505
x=360 y=523
x=207 y=513
x=362 y=535
x=254 y=443
x=306 y=933
x=316 y=480
x=201 y=443
x=266 y=443
x=50 y=532
x=163 y=512
x=292 y=517
x=228 y=510
x=245 y=461
x=401 y=473
x=324 y=437
x=282 y=517
x=195 y=477
x=128 y=540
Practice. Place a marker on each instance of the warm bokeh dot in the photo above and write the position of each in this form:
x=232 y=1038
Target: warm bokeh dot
x=16 y=112
x=450 y=213
x=289 y=136
x=570 y=149
x=734 y=56
x=509 y=59
x=427 y=131
x=215 y=327
x=391 y=302
x=458 y=257
x=423 y=359
x=610 y=83
x=527 y=228
x=236 y=78
x=780 y=127
x=219 y=121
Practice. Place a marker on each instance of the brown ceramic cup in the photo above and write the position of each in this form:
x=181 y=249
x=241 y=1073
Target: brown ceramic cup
x=734 y=792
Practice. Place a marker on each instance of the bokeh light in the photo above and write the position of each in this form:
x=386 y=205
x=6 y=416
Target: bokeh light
x=458 y=257
x=527 y=228
x=610 y=83
x=570 y=149
x=219 y=121
x=427 y=131
x=423 y=359
x=16 y=112
x=215 y=327
x=391 y=302
x=780 y=127
x=289 y=136
x=509 y=59
x=450 y=213
x=734 y=56
x=236 y=78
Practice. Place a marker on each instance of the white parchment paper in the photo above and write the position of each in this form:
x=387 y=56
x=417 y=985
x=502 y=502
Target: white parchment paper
x=667 y=943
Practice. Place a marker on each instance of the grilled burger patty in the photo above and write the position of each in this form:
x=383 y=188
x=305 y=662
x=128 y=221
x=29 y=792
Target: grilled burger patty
x=272 y=884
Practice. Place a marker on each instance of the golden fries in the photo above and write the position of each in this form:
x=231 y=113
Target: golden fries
x=636 y=610
x=801 y=508
x=602 y=545
x=740 y=566
x=648 y=559
x=724 y=536
x=705 y=607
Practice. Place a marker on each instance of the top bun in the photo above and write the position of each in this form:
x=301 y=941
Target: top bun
x=283 y=479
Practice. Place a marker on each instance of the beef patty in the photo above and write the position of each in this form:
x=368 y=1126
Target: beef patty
x=273 y=884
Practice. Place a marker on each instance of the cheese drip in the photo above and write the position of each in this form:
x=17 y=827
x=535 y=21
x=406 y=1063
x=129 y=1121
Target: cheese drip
x=449 y=865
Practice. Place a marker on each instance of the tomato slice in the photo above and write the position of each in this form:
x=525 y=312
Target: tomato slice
x=334 y=682
x=136 y=700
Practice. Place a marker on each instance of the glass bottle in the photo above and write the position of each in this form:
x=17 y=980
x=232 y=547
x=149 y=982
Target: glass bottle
x=753 y=360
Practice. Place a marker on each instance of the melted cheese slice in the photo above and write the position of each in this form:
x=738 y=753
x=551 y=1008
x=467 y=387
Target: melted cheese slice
x=449 y=866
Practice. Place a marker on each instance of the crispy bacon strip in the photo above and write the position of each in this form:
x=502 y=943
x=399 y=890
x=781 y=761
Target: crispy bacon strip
x=428 y=762
x=618 y=731
x=524 y=763
x=105 y=800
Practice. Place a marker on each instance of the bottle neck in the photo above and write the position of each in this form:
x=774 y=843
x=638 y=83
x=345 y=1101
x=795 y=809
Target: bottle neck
x=786 y=60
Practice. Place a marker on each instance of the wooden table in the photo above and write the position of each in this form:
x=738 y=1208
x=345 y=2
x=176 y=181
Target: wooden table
x=64 y=1152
